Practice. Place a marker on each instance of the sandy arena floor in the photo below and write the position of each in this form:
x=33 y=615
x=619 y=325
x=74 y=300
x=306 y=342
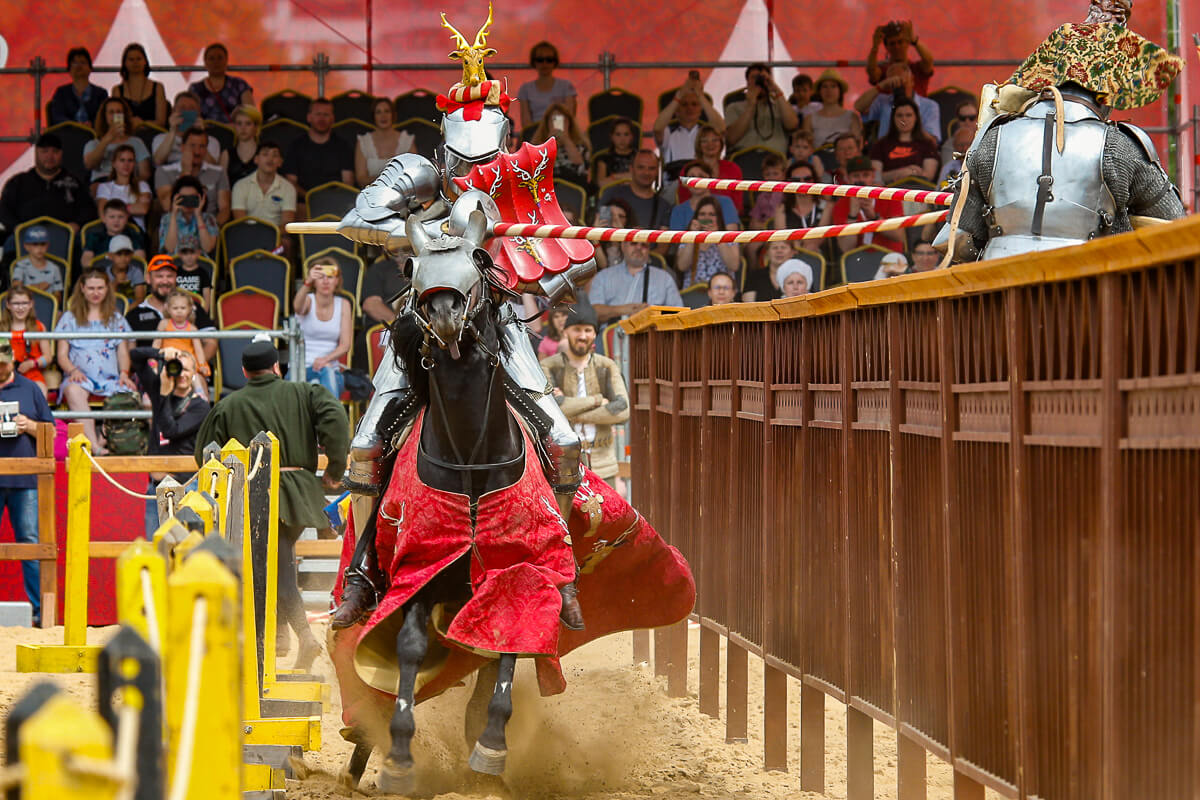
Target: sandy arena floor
x=613 y=735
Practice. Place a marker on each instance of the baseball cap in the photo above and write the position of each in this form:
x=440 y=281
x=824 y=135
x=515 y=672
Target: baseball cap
x=49 y=140
x=859 y=164
x=120 y=243
x=35 y=234
x=6 y=351
x=161 y=261
x=188 y=243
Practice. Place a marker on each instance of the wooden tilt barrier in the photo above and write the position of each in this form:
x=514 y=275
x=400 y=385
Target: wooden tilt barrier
x=962 y=503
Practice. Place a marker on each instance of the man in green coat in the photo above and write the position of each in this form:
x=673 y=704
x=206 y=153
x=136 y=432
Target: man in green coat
x=301 y=415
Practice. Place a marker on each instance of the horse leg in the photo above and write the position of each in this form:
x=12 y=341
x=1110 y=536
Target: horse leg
x=352 y=773
x=396 y=775
x=491 y=750
x=475 y=718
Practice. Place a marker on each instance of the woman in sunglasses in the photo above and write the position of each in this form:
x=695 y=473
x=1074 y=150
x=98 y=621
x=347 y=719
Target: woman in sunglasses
x=538 y=95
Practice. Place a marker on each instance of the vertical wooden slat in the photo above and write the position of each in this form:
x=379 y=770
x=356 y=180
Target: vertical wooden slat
x=774 y=681
x=677 y=659
x=950 y=493
x=812 y=739
x=47 y=532
x=860 y=755
x=641 y=647
x=774 y=719
x=710 y=672
x=736 y=692
x=967 y=788
x=674 y=638
x=845 y=375
x=910 y=769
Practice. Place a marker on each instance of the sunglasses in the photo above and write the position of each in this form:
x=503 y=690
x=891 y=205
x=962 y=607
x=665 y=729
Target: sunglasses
x=968 y=117
x=544 y=59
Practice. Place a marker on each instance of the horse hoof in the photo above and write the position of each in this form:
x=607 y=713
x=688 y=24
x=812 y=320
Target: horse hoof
x=486 y=760
x=395 y=780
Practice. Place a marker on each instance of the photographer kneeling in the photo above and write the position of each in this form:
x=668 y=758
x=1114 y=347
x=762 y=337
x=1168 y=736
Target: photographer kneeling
x=177 y=410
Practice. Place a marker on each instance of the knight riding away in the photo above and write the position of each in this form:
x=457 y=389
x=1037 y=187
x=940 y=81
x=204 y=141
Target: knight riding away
x=474 y=174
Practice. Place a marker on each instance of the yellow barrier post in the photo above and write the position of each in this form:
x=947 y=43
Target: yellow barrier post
x=142 y=592
x=204 y=716
x=75 y=654
x=66 y=752
x=205 y=507
x=214 y=479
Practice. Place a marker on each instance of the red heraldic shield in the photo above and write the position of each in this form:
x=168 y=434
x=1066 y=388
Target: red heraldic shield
x=522 y=184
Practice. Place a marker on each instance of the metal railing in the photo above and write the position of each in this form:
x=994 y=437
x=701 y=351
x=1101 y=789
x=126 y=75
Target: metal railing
x=962 y=503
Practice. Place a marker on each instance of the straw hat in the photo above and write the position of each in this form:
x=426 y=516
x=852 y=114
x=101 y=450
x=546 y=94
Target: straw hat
x=832 y=74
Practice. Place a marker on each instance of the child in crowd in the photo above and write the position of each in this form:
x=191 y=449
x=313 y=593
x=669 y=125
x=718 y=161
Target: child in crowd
x=18 y=314
x=125 y=186
x=800 y=148
x=35 y=269
x=194 y=276
x=766 y=202
x=616 y=161
x=116 y=222
x=552 y=334
x=180 y=305
x=127 y=278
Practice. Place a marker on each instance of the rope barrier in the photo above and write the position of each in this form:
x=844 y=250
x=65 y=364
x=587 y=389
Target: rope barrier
x=823 y=189
x=191 y=707
x=113 y=480
x=128 y=727
x=151 y=611
x=257 y=463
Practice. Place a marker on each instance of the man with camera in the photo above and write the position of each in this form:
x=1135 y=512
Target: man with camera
x=22 y=407
x=896 y=37
x=177 y=411
x=764 y=118
x=676 y=127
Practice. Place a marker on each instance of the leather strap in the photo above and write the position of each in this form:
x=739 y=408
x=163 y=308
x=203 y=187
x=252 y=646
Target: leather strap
x=1046 y=179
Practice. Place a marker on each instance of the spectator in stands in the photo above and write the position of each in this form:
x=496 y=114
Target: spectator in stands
x=92 y=366
x=239 y=160
x=193 y=164
x=553 y=341
x=193 y=276
x=319 y=157
x=47 y=190
x=18 y=493
x=856 y=209
x=186 y=221
x=181 y=309
x=617 y=214
x=845 y=147
x=168 y=147
x=123 y=185
x=539 y=94
x=924 y=257
x=590 y=390
x=177 y=411
x=891 y=265
x=327 y=322
x=113 y=129
x=696 y=263
x=722 y=289
x=632 y=284
x=375 y=149
x=649 y=208
x=127 y=277
x=801 y=98
x=957 y=145
x=710 y=146
x=616 y=161
x=115 y=222
x=801 y=149
x=795 y=278
x=906 y=151
x=265 y=193
x=682 y=214
x=763 y=284
x=764 y=118
x=147 y=99
x=802 y=210
x=965 y=116
x=220 y=94
x=79 y=100
x=17 y=316
x=571 y=161
x=145 y=316
x=832 y=118
x=36 y=269
x=765 y=203
x=896 y=36
x=875 y=104
x=677 y=125
x=382 y=284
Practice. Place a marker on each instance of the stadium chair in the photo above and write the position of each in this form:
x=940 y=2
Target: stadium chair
x=527 y=132
x=210 y=266
x=334 y=198
x=355 y=310
x=615 y=103
x=861 y=263
x=736 y=96
x=828 y=157
x=427 y=134
x=283 y=132
x=45 y=305
x=571 y=196
x=265 y=271
x=948 y=98
x=62 y=265
x=62 y=238
x=239 y=236
x=287 y=104
x=351 y=265
x=74 y=136
x=224 y=134
x=419 y=103
x=817 y=262
x=598 y=132
x=248 y=304
x=122 y=304
x=658 y=260
x=229 y=375
x=353 y=105
x=376 y=345
x=146 y=132
x=608 y=338
x=750 y=160
x=312 y=242
x=695 y=296
x=350 y=129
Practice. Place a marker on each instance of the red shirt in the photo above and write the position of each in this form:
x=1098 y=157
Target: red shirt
x=883 y=208
x=727 y=171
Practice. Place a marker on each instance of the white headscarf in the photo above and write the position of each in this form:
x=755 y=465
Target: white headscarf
x=791 y=267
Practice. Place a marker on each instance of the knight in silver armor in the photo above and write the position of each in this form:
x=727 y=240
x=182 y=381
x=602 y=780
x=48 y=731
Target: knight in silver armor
x=1047 y=168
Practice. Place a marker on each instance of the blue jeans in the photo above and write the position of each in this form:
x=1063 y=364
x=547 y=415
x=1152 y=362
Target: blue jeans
x=22 y=505
x=330 y=377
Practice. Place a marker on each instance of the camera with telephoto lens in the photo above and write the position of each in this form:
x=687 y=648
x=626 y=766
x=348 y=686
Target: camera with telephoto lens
x=171 y=367
x=761 y=82
x=8 y=419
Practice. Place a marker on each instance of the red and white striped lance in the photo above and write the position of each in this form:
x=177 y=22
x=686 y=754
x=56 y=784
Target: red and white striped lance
x=536 y=231
x=823 y=189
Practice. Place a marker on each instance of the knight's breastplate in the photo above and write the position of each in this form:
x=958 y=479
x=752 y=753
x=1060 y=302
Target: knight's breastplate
x=1078 y=205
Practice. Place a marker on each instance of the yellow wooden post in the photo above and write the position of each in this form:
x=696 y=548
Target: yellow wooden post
x=233 y=454
x=79 y=521
x=204 y=714
x=271 y=588
x=203 y=506
x=182 y=550
x=66 y=751
x=214 y=478
x=140 y=565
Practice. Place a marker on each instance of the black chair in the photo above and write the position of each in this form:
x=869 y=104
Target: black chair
x=695 y=296
x=598 y=133
x=861 y=263
x=350 y=129
x=74 y=137
x=828 y=157
x=224 y=134
x=310 y=243
x=282 y=132
x=750 y=160
x=736 y=96
x=351 y=265
x=287 y=104
x=146 y=132
x=229 y=366
x=353 y=105
x=45 y=305
x=265 y=271
x=571 y=196
x=62 y=238
x=333 y=198
x=419 y=103
x=948 y=99
x=240 y=236
x=817 y=262
x=427 y=134
x=615 y=103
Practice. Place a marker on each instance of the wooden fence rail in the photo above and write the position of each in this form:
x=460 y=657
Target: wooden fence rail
x=965 y=504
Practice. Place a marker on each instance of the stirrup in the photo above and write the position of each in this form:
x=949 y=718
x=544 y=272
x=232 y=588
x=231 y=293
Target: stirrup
x=359 y=599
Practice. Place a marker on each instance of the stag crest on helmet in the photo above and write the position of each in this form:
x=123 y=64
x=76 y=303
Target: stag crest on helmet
x=472 y=55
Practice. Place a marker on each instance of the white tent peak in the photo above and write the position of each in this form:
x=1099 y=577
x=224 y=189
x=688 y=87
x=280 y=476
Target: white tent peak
x=135 y=23
x=748 y=42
